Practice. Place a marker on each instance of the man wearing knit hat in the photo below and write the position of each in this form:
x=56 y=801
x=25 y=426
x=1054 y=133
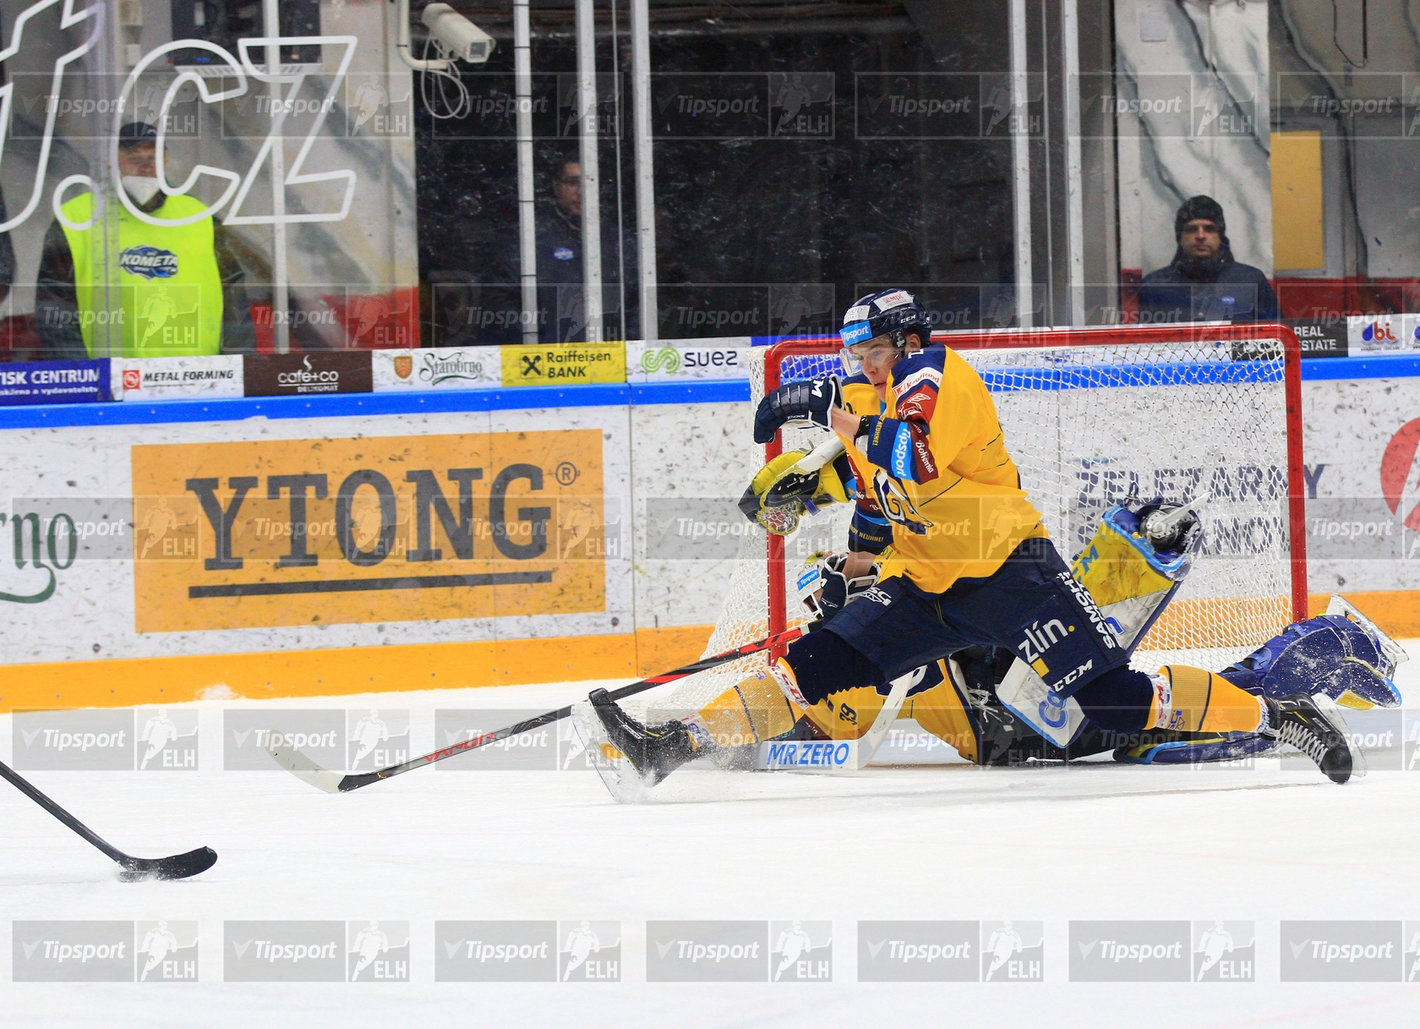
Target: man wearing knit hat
x=1204 y=282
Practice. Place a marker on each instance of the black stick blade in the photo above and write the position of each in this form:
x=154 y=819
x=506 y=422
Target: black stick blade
x=176 y=866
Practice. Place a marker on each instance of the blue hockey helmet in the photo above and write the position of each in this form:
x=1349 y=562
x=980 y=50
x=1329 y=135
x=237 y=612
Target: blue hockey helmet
x=889 y=312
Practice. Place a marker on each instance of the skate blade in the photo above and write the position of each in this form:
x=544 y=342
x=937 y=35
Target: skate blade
x=619 y=775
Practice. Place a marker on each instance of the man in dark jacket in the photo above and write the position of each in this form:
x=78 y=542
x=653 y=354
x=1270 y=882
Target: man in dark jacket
x=1205 y=282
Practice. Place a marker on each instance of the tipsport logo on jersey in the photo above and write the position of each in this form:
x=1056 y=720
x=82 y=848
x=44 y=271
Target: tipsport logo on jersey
x=122 y=739
x=111 y=951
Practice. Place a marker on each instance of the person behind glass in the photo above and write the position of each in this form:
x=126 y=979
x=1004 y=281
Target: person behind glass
x=562 y=312
x=1204 y=282
x=180 y=290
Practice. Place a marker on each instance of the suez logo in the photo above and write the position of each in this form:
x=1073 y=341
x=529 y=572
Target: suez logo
x=673 y=360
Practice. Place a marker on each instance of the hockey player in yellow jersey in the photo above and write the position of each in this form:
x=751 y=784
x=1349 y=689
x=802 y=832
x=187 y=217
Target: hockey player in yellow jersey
x=970 y=565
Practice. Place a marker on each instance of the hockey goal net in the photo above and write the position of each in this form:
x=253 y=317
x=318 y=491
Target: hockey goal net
x=1209 y=414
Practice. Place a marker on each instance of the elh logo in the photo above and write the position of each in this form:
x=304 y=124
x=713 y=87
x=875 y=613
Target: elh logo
x=377 y=951
x=1224 y=952
x=1013 y=952
x=166 y=951
x=167 y=740
x=801 y=952
x=589 y=952
x=376 y=738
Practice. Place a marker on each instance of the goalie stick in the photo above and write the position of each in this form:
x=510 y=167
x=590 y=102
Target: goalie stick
x=131 y=869
x=301 y=766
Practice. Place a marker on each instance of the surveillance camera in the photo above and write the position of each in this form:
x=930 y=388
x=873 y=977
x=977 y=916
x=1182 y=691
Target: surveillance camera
x=461 y=37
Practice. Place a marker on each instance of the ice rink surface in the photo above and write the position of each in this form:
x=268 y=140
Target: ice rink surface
x=1058 y=852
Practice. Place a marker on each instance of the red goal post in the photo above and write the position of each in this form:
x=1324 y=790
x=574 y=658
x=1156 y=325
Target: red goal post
x=1227 y=396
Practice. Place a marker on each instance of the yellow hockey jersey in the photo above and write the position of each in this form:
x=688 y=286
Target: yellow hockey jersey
x=935 y=462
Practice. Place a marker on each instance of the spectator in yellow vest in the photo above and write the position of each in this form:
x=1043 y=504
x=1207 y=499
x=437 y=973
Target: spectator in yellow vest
x=170 y=290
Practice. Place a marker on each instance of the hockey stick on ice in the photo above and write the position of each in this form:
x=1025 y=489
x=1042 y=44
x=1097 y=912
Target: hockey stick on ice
x=839 y=755
x=303 y=767
x=132 y=869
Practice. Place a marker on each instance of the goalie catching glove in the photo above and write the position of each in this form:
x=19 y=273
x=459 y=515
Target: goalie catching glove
x=781 y=492
x=812 y=402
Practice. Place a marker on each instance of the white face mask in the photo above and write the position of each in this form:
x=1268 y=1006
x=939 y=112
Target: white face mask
x=141 y=188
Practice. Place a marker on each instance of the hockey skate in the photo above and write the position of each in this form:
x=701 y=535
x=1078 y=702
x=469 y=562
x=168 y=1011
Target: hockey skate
x=630 y=757
x=1315 y=727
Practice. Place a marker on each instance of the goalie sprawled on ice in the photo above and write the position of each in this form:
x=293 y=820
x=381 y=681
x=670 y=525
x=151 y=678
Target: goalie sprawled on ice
x=963 y=613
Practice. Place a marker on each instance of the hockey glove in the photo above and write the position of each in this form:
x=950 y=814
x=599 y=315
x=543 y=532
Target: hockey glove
x=798 y=401
x=826 y=588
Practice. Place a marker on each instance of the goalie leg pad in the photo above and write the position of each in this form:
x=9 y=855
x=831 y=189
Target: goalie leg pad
x=1329 y=654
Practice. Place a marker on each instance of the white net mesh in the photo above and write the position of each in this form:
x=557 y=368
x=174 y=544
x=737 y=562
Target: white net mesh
x=1088 y=427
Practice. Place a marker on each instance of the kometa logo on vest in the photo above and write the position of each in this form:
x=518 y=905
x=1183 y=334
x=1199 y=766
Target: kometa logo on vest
x=149 y=262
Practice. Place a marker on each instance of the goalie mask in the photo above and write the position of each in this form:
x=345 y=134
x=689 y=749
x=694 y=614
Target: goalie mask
x=889 y=313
